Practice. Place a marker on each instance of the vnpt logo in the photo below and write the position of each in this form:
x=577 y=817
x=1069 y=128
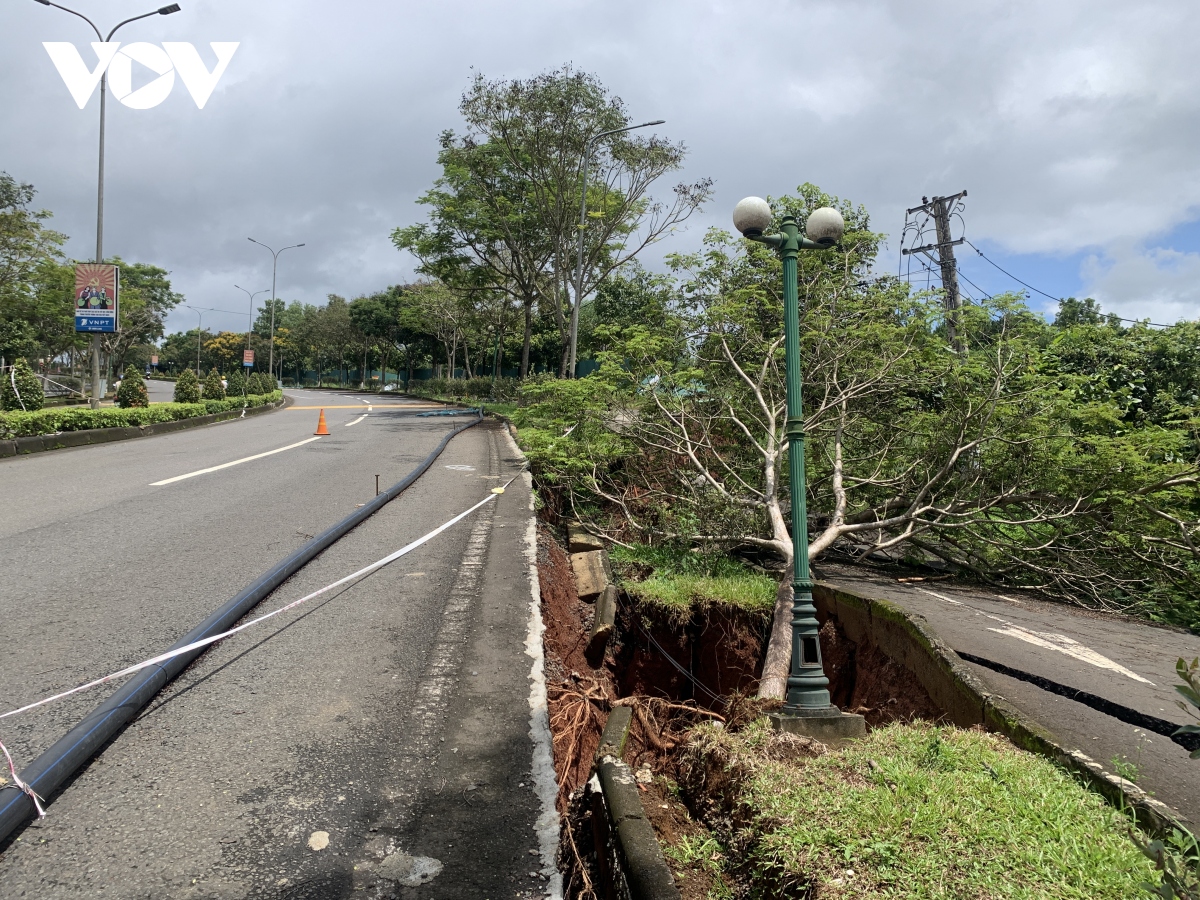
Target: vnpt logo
x=118 y=60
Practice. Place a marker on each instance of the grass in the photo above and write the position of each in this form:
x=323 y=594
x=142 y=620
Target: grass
x=914 y=811
x=679 y=579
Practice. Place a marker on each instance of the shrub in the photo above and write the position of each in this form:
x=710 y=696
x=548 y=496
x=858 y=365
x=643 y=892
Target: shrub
x=187 y=387
x=132 y=392
x=21 y=389
x=213 y=389
x=51 y=421
x=237 y=384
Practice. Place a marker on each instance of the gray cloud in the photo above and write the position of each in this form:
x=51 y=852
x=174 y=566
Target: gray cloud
x=1072 y=124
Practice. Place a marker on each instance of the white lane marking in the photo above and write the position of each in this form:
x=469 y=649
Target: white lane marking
x=461 y=468
x=1047 y=639
x=236 y=462
x=361 y=400
x=369 y=407
x=939 y=596
x=356 y=421
x=1068 y=646
x=544 y=779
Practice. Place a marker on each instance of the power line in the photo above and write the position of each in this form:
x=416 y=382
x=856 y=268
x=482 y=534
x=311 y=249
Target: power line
x=1056 y=299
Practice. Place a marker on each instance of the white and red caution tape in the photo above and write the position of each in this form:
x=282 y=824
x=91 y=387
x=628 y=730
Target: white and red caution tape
x=196 y=645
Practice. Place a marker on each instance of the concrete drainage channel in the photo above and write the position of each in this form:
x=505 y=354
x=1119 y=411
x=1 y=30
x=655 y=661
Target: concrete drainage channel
x=56 y=766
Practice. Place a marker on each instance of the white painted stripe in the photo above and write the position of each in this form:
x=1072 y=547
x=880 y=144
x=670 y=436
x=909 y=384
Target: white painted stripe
x=544 y=778
x=942 y=597
x=1068 y=646
x=236 y=462
x=356 y=421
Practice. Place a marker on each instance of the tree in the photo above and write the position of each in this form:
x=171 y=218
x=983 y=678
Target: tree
x=20 y=388
x=146 y=298
x=187 y=387
x=237 y=383
x=213 y=389
x=225 y=350
x=30 y=253
x=132 y=392
x=504 y=214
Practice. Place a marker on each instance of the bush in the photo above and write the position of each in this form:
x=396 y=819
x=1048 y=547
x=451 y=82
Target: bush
x=237 y=384
x=482 y=388
x=187 y=387
x=53 y=421
x=132 y=392
x=213 y=389
x=21 y=389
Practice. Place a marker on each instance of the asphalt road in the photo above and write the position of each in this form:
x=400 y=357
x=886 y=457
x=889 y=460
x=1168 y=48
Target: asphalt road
x=1121 y=660
x=388 y=723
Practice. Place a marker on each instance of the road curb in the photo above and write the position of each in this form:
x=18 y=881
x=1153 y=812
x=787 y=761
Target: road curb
x=909 y=640
x=65 y=439
x=625 y=839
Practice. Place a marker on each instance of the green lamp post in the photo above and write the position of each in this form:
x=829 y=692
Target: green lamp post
x=807 y=707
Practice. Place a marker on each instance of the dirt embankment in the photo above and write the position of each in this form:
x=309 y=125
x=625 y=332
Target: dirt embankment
x=675 y=672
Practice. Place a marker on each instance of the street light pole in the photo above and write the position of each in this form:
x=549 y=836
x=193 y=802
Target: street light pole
x=274 y=261
x=807 y=686
x=161 y=11
x=587 y=158
x=250 y=324
x=199 y=333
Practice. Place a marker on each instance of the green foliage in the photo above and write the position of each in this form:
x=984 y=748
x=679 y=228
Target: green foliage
x=680 y=579
x=132 y=392
x=468 y=388
x=909 y=811
x=213 y=389
x=52 y=421
x=237 y=383
x=20 y=388
x=187 y=387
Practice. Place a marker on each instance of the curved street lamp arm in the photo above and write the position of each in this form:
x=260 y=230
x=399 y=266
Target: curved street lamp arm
x=72 y=12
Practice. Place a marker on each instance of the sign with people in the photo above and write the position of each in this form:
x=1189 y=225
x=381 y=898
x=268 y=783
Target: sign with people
x=96 y=295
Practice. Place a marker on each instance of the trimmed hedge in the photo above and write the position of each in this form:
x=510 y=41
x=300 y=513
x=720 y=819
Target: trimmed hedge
x=52 y=421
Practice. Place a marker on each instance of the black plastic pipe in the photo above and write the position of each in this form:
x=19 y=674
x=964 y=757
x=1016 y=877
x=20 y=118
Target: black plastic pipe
x=75 y=748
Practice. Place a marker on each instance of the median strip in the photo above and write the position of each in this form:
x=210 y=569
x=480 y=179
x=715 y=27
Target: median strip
x=236 y=462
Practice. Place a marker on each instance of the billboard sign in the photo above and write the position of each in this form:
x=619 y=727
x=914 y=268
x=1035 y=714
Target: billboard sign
x=248 y=358
x=96 y=291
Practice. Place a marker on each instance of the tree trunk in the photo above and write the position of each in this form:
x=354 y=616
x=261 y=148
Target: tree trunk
x=778 y=662
x=527 y=339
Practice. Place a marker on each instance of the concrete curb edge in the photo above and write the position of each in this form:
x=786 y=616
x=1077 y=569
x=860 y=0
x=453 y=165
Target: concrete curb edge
x=647 y=875
x=911 y=642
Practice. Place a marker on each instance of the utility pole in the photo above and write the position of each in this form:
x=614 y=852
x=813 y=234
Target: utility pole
x=940 y=209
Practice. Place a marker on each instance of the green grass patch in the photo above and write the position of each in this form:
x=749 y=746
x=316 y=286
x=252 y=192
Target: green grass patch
x=911 y=811
x=679 y=578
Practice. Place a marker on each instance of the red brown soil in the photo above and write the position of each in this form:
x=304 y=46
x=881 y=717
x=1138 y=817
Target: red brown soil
x=865 y=680
x=672 y=821
x=577 y=694
x=728 y=659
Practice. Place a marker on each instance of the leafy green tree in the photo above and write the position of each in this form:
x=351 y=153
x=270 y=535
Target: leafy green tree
x=30 y=253
x=504 y=214
x=187 y=387
x=146 y=298
x=132 y=392
x=213 y=389
x=20 y=388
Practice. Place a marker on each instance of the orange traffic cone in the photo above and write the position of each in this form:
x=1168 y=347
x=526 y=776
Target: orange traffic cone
x=321 y=427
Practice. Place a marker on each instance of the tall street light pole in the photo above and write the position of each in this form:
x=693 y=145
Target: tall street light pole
x=199 y=333
x=274 y=263
x=161 y=11
x=807 y=708
x=250 y=326
x=587 y=158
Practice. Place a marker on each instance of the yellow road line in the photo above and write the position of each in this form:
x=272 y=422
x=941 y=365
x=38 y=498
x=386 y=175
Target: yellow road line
x=381 y=406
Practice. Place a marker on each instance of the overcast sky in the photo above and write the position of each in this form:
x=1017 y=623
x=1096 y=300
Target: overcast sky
x=1073 y=125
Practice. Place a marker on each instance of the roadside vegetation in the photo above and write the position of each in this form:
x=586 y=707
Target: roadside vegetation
x=914 y=811
x=53 y=421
